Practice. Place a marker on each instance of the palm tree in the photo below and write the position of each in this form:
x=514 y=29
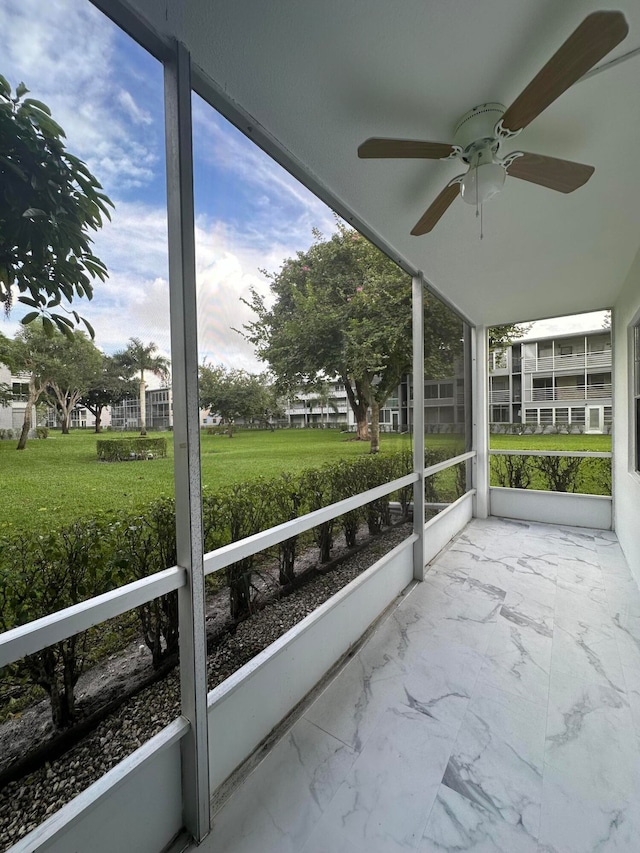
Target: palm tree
x=138 y=358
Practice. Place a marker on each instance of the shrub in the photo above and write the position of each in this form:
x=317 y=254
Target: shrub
x=128 y=449
x=146 y=543
x=42 y=432
x=344 y=477
x=317 y=485
x=513 y=472
x=42 y=573
x=287 y=500
x=560 y=472
x=247 y=510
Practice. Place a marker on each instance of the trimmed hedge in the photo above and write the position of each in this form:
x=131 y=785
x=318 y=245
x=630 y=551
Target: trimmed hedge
x=43 y=573
x=130 y=449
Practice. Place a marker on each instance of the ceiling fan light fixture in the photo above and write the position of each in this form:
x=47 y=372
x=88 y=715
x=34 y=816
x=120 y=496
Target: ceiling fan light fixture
x=482 y=182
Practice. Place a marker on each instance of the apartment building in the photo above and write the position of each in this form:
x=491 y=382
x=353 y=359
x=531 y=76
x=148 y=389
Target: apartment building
x=562 y=382
x=12 y=413
x=159 y=411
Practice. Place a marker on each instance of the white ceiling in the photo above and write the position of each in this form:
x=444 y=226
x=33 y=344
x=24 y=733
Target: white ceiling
x=323 y=75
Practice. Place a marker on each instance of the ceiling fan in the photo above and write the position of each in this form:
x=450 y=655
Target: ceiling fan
x=480 y=133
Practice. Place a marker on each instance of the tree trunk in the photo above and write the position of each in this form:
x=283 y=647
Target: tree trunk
x=34 y=393
x=26 y=427
x=375 y=426
x=98 y=416
x=362 y=427
x=143 y=407
x=65 y=423
x=359 y=408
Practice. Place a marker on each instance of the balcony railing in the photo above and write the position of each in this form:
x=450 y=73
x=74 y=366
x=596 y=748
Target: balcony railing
x=503 y=396
x=576 y=361
x=565 y=392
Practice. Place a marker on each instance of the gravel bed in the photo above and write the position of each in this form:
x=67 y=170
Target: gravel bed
x=24 y=804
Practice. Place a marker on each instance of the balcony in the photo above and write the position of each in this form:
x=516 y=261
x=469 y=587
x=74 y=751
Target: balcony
x=576 y=361
x=500 y=396
x=496 y=706
x=575 y=392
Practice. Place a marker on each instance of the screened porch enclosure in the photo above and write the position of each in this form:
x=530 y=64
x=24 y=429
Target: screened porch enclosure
x=504 y=612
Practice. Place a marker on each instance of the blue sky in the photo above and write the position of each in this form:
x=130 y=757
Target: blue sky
x=107 y=93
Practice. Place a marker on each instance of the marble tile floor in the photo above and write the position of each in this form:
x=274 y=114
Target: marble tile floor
x=496 y=709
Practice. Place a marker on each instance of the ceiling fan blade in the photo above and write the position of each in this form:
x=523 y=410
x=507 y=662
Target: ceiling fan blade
x=598 y=34
x=437 y=209
x=404 y=148
x=565 y=176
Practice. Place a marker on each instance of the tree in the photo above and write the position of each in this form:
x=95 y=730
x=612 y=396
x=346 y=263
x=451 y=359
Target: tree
x=49 y=203
x=111 y=385
x=139 y=358
x=233 y=393
x=29 y=352
x=74 y=364
x=343 y=309
x=59 y=368
x=501 y=337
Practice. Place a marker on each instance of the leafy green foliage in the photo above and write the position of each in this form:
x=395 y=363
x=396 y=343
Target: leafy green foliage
x=127 y=449
x=43 y=573
x=232 y=394
x=144 y=544
x=49 y=204
x=60 y=367
x=110 y=385
x=343 y=309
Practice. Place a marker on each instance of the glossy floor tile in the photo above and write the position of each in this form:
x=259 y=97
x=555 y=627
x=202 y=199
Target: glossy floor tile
x=497 y=708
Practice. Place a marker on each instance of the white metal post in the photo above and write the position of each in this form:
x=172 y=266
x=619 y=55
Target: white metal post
x=480 y=370
x=417 y=300
x=186 y=437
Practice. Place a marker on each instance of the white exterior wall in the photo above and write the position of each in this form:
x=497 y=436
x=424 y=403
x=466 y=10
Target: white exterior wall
x=5 y=411
x=626 y=481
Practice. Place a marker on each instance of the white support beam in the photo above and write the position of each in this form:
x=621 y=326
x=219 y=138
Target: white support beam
x=480 y=381
x=186 y=438
x=417 y=294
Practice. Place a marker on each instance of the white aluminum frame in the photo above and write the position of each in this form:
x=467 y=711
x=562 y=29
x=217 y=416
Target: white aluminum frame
x=186 y=440
x=417 y=331
x=187 y=578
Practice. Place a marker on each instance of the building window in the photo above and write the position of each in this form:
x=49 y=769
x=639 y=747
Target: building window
x=636 y=389
x=500 y=414
x=20 y=391
x=446 y=390
x=578 y=416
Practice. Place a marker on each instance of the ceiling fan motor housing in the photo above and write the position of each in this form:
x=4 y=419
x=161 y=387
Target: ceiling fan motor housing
x=476 y=130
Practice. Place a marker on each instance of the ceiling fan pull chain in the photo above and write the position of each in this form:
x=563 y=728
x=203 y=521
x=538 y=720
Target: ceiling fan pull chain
x=481 y=227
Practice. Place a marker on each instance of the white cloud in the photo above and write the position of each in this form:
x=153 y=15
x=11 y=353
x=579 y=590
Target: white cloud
x=281 y=208
x=566 y=325
x=65 y=52
x=137 y=114
x=135 y=299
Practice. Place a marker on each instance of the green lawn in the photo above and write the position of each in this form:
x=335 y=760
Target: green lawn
x=60 y=479
x=595 y=443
